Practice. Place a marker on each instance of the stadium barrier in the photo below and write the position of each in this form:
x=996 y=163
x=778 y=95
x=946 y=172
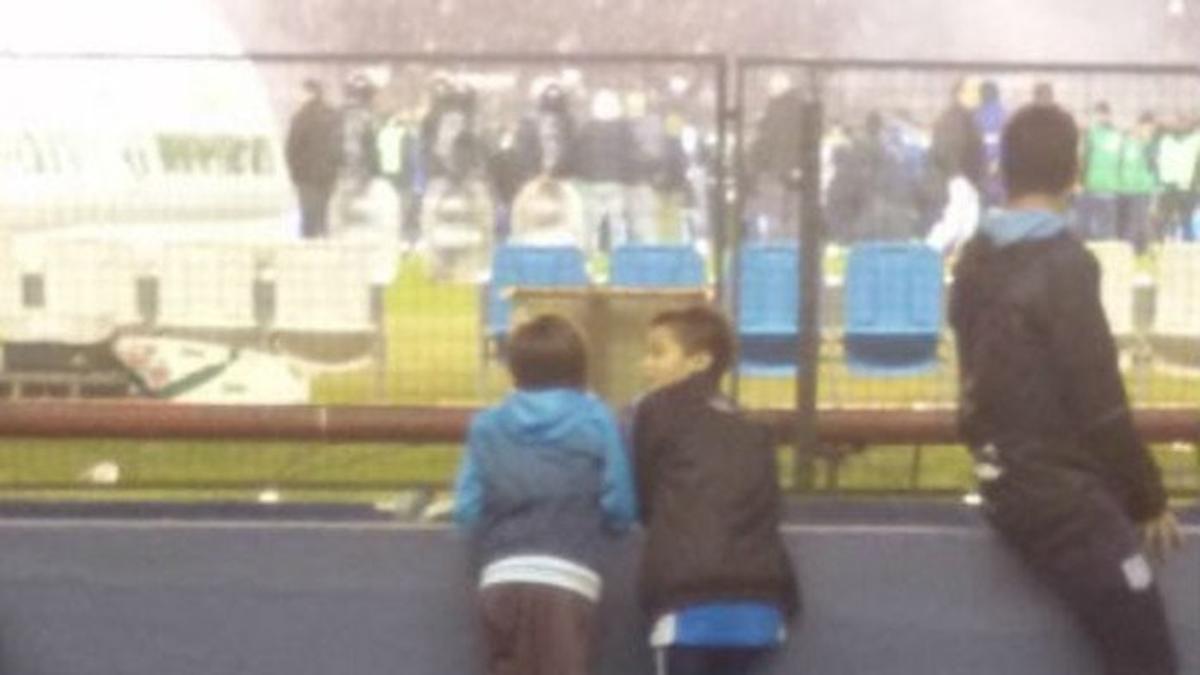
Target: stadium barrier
x=898 y=589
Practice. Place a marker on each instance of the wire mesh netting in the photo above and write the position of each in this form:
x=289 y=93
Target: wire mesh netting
x=349 y=230
x=289 y=230
x=894 y=216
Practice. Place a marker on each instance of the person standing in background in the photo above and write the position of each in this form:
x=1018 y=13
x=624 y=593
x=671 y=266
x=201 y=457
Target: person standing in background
x=1139 y=183
x=871 y=196
x=957 y=161
x=1102 y=149
x=545 y=140
x=990 y=117
x=604 y=150
x=775 y=160
x=313 y=155
x=1178 y=152
x=457 y=213
x=955 y=175
x=398 y=148
x=538 y=150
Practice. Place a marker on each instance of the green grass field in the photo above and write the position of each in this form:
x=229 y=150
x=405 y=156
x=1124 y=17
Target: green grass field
x=433 y=357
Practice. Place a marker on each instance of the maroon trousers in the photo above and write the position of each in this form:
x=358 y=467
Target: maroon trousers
x=536 y=629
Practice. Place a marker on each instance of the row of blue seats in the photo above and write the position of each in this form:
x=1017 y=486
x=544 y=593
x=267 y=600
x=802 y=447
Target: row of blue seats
x=893 y=297
x=637 y=266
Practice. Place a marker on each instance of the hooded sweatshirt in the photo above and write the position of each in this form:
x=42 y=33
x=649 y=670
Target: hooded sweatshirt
x=1041 y=394
x=1005 y=228
x=545 y=480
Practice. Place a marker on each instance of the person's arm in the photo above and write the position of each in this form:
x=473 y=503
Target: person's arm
x=645 y=457
x=617 y=494
x=1083 y=347
x=468 y=487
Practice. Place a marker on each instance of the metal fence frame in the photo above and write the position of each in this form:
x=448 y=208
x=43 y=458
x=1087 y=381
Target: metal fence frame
x=806 y=435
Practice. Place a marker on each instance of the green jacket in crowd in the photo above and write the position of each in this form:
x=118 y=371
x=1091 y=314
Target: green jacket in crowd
x=1138 y=175
x=1102 y=159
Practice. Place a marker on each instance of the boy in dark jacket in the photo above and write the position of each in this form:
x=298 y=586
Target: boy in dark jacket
x=716 y=581
x=543 y=483
x=1066 y=480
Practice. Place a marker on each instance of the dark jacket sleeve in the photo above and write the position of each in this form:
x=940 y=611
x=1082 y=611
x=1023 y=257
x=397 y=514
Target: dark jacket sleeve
x=1082 y=345
x=647 y=435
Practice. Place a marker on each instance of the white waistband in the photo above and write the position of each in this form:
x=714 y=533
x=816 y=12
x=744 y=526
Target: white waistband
x=543 y=569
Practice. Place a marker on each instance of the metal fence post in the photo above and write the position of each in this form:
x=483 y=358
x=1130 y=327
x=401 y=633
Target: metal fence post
x=729 y=289
x=811 y=246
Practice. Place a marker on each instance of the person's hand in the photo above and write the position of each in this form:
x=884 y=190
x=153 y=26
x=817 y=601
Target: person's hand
x=440 y=509
x=1161 y=535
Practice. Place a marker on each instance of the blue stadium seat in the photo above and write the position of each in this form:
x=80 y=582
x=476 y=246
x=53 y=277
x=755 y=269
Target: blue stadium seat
x=645 y=266
x=527 y=266
x=893 y=309
x=768 y=306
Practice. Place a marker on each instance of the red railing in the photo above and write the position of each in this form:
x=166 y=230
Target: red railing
x=417 y=424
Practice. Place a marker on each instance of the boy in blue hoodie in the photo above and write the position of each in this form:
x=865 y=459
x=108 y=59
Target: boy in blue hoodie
x=1067 y=483
x=543 y=483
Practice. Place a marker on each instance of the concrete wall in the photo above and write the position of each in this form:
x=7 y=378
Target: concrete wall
x=903 y=594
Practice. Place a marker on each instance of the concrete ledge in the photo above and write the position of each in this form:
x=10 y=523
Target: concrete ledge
x=933 y=594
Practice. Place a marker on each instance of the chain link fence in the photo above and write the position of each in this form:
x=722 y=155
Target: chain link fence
x=346 y=230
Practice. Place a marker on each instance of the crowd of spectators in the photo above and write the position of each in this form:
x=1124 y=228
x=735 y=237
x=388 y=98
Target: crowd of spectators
x=597 y=165
x=891 y=178
x=575 y=165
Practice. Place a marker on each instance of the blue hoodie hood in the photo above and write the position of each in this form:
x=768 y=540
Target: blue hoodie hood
x=1005 y=228
x=547 y=415
x=545 y=472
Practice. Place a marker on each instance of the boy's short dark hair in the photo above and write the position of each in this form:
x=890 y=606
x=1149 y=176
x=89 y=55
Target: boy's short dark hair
x=1040 y=151
x=547 y=352
x=700 y=329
